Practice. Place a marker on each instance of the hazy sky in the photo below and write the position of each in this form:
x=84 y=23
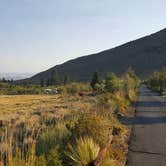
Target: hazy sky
x=38 y=34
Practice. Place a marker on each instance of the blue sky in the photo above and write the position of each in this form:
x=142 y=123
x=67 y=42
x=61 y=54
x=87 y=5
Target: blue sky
x=38 y=34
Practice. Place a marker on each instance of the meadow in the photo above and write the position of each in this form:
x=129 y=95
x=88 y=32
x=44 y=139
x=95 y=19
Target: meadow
x=77 y=127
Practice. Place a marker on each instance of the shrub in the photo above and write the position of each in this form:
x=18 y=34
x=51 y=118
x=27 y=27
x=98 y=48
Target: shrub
x=105 y=101
x=95 y=126
x=95 y=80
x=121 y=103
x=53 y=158
x=74 y=88
x=113 y=83
x=99 y=88
x=52 y=137
x=84 y=152
x=157 y=81
x=41 y=161
x=131 y=83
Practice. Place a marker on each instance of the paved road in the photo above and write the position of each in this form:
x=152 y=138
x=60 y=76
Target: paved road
x=148 y=139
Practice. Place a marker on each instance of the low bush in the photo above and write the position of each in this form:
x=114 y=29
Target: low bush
x=74 y=88
x=94 y=126
x=83 y=152
x=157 y=81
x=9 y=89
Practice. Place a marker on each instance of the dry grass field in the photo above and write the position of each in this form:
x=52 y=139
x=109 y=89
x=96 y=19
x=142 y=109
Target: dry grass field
x=58 y=130
x=31 y=109
x=16 y=103
x=19 y=106
x=25 y=104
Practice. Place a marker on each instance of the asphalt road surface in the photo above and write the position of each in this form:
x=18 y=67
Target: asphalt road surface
x=148 y=139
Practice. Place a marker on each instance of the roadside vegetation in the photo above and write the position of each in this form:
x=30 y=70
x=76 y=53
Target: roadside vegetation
x=77 y=127
x=9 y=88
x=157 y=81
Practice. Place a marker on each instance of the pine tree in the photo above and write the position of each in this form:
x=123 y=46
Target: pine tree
x=42 y=83
x=54 y=78
x=48 y=82
x=95 y=80
x=4 y=80
x=66 y=79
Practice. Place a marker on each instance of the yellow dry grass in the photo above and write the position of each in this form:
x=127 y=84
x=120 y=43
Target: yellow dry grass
x=12 y=106
x=27 y=103
x=20 y=107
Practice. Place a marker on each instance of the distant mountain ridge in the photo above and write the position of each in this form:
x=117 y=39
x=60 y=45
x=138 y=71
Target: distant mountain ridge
x=15 y=76
x=144 y=55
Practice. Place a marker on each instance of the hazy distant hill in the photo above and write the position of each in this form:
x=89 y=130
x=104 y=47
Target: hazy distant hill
x=144 y=55
x=15 y=76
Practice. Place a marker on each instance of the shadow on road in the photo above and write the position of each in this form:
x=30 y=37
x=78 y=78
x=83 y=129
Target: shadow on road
x=141 y=120
x=154 y=107
x=149 y=94
x=151 y=103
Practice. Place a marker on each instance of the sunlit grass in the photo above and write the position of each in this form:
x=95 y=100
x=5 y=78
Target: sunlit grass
x=38 y=128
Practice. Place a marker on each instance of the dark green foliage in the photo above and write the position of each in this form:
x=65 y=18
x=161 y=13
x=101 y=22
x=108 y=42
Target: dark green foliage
x=66 y=79
x=157 y=81
x=46 y=142
x=95 y=80
x=3 y=80
x=42 y=82
x=11 y=89
x=48 y=83
x=52 y=143
x=54 y=80
x=52 y=158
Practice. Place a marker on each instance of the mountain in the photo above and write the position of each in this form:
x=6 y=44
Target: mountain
x=144 y=55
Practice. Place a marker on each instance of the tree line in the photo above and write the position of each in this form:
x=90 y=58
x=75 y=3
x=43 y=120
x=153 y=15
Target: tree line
x=113 y=83
x=55 y=79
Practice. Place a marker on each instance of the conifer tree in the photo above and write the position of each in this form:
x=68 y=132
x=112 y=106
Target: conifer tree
x=95 y=80
x=48 y=82
x=42 y=83
x=54 y=78
x=66 y=79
